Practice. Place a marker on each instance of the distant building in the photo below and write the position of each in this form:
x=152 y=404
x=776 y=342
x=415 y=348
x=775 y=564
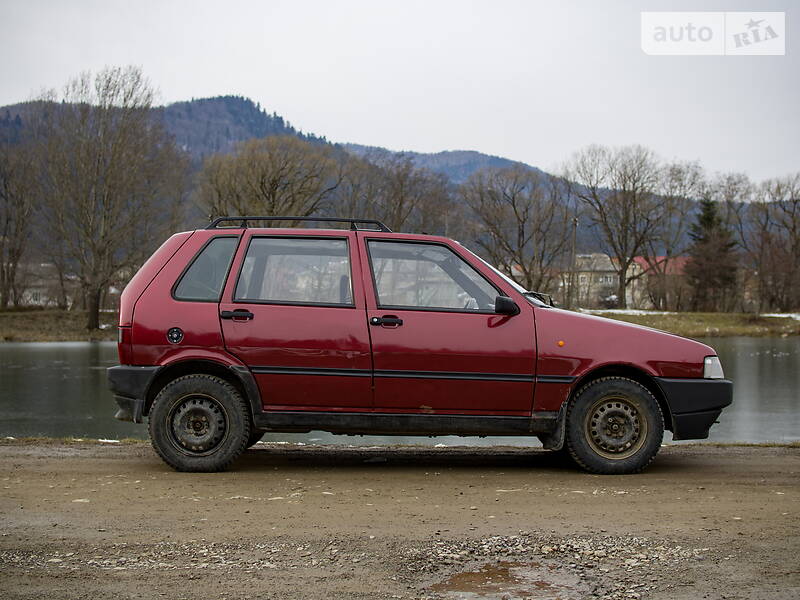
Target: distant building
x=657 y=282
x=665 y=281
x=42 y=286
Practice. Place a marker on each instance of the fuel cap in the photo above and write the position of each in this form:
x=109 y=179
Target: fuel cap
x=175 y=335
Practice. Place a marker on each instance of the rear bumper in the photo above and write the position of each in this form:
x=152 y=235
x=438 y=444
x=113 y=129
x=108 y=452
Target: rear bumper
x=695 y=404
x=129 y=386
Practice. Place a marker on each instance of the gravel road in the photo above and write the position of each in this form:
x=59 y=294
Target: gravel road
x=87 y=520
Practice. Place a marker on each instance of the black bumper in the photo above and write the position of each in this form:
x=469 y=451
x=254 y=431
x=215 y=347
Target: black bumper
x=695 y=404
x=129 y=386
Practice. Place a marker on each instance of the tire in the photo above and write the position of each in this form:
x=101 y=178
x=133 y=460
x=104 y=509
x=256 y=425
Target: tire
x=199 y=423
x=614 y=426
x=255 y=437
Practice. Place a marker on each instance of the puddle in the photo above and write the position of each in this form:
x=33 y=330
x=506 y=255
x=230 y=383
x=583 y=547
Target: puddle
x=511 y=581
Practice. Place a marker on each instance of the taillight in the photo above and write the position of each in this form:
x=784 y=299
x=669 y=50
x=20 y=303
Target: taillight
x=124 y=345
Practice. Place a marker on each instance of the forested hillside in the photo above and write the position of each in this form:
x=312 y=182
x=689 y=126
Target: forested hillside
x=206 y=126
x=456 y=165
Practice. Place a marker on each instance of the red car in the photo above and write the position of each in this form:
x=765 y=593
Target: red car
x=233 y=331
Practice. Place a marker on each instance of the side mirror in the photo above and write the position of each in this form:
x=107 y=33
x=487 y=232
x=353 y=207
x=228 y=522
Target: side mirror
x=503 y=305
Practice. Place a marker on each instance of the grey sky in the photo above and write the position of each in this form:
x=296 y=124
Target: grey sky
x=532 y=81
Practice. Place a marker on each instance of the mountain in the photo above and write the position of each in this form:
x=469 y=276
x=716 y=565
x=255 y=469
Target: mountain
x=204 y=126
x=456 y=165
x=10 y=126
x=208 y=125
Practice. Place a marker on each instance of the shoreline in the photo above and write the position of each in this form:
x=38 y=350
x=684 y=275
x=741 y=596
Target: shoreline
x=55 y=441
x=50 y=325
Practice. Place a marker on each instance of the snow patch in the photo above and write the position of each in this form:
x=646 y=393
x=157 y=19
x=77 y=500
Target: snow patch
x=795 y=316
x=625 y=311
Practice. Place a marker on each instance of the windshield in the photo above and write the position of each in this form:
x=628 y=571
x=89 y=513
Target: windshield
x=528 y=295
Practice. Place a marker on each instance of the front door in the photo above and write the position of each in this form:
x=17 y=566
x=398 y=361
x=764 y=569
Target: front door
x=294 y=314
x=437 y=344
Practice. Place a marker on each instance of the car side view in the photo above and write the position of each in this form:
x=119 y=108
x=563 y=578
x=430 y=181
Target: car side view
x=239 y=329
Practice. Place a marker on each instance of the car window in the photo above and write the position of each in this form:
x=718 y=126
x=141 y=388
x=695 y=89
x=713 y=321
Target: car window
x=296 y=271
x=427 y=276
x=203 y=280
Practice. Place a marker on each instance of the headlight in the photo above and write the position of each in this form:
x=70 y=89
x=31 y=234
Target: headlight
x=712 y=369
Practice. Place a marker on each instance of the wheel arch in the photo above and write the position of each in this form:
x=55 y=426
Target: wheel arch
x=630 y=372
x=238 y=376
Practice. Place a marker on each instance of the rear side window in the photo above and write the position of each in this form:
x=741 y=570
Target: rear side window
x=204 y=279
x=296 y=271
x=428 y=277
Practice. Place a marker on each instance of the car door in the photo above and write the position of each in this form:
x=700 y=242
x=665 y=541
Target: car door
x=294 y=314
x=437 y=344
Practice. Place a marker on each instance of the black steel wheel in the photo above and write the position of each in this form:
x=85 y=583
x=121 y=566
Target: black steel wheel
x=199 y=423
x=614 y=425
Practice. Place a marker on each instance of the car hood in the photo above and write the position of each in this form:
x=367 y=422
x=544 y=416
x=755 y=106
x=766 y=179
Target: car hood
x=579 y=342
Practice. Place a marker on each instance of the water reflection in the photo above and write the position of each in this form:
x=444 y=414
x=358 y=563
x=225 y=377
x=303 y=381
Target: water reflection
x=59 y=389
x=766 y=376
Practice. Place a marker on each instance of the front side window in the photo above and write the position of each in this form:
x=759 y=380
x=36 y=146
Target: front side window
x=203 y=280
x=427 y=276
x=296 y=271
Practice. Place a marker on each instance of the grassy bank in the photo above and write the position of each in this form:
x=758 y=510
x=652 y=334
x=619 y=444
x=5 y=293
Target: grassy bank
x=70 y=326
x=712 y=324
x=53 y=326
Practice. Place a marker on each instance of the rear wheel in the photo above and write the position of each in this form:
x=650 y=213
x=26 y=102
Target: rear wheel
x=614 y=426
x=199 y=423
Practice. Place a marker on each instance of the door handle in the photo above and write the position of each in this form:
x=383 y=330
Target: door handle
x=389 y=320
x=239 y=313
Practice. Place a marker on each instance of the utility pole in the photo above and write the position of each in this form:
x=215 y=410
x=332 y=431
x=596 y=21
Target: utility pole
x=573 y=261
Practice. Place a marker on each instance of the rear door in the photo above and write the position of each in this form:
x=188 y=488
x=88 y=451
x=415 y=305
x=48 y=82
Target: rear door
x=437 y=344
x=294 y=314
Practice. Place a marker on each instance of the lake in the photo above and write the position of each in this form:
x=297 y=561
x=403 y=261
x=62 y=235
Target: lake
x=59 y=390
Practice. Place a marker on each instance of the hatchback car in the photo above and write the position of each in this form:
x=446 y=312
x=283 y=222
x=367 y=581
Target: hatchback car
x=238 y=329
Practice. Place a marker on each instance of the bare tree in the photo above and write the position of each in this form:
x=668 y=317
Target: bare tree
x=279 y=175
x=766 y=220
x=524 y=222
x=17 y=198
x=784 y=197
x=679 y=184
x=361 y=191
x=411 y=197
x=750 y=220
x=110 y=175
x=618 y=186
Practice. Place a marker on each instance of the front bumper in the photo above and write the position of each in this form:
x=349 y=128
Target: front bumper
x=695 y=404
x=129 y=385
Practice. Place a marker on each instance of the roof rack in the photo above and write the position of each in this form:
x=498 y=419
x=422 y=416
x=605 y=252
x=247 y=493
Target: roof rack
x=354 y=223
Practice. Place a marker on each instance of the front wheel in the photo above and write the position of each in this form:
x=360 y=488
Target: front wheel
x=199 y=423
x=614 y=426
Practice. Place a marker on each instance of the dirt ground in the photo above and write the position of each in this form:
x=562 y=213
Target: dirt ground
x=111 y=521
